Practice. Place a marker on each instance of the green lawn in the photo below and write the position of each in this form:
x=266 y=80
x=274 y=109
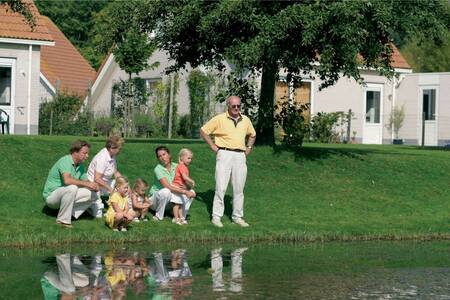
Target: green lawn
x=323 y=192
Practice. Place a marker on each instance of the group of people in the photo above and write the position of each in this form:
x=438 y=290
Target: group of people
x=72 y=190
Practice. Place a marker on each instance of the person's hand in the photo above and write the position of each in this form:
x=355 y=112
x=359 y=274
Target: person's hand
x=146 y=205
x=247 y=151
x=214 y=148
x=190 y=194
x=92 y=186
x=193 y=184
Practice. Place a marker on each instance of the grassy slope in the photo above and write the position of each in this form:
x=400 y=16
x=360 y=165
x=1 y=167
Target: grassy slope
x=324 y=192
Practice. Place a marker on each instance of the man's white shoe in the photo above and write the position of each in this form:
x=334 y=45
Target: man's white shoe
x=240 y=222
x=216 y=222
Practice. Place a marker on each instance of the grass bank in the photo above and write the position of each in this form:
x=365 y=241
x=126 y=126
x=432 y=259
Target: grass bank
x=321 y=193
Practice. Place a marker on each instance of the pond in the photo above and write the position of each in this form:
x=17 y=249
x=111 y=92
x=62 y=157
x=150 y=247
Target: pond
x=364 y=270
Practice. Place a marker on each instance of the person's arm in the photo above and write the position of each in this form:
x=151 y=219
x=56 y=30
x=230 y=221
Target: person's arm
x=209 y=141
x=98 y=178
x=117 y=174
x=69 y=180
x=165 y=183
x=189 y=180
x=250 y=142
x=136 y=203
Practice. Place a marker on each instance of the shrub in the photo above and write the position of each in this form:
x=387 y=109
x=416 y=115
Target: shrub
x=184 y=126
x=322 y=127
x=144 y=125
x=292 y=120
x=106 y=125
x=62 y=116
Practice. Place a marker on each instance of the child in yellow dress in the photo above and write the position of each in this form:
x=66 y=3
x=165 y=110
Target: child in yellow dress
x=119 y=215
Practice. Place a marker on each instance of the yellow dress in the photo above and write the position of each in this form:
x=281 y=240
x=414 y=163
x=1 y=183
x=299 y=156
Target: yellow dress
x=122 y=202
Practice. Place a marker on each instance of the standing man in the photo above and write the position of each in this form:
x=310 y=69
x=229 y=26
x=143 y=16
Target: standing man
x=67 y=187
x=230 y=130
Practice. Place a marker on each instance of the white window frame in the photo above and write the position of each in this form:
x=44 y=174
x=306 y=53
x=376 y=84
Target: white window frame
x=11 y=63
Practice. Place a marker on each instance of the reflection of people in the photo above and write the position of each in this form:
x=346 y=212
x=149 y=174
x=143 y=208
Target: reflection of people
x=236 y=270
x=162 y=189
x=72 y=278
x=103 y=169
x=182 y=180
x=138 y=200
x=119 y=215
x=230 y=130
x=67 y=187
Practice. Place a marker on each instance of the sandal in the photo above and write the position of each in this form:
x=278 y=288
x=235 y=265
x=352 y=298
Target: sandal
x=65 y=225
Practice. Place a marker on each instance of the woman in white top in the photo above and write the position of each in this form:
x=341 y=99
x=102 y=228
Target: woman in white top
x=103 y=171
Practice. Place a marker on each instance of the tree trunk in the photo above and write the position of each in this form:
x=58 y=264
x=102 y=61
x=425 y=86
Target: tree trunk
x=265 y=128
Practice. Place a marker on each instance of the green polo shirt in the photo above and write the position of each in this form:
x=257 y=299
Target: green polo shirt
x=160 y=172
x=55 y=177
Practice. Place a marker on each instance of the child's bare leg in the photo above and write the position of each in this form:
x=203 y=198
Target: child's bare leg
x=176 y=211
x=144 y=212
x=118 y=220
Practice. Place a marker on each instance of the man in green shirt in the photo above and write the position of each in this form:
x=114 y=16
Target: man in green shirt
x=67 y=187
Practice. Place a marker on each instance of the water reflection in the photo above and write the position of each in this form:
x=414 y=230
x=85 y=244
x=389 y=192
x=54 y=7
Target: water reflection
x=235 y=282
x=109 y=277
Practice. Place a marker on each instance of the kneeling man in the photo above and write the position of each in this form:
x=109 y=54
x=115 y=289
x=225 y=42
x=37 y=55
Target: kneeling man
x=67 y=187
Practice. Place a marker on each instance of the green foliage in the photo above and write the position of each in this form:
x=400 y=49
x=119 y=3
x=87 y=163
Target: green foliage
x=396 y=119
x=105 y=125
x=123 y=90
x=244 y=88
x=428 y=56
x=327 y=38
x=143 y=125
x=322 y=127
x=184 y=126
x=62 y=116
x=291 y=119
x=198 y=89
x=76 y=19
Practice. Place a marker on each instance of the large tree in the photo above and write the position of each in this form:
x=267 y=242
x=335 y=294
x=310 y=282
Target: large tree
x=328 y=39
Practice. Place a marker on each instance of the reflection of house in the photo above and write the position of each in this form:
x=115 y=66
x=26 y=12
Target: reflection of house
x=33 y=65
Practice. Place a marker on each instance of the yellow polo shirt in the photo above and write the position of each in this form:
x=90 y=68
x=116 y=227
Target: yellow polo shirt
x=227 y=133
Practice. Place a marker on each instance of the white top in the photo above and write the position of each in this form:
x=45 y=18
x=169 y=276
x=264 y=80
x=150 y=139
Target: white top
x=102 y=163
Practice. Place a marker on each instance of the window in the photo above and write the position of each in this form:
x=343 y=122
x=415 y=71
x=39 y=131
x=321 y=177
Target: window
x=5 y=86
x=373 y=107
x=429 y=104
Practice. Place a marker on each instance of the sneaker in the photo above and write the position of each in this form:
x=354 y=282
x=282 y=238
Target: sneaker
x=99 y=215
x=155 y=218
x=123 y=229
x=136 y=220
x=174 y=220
x=183 y=221
x=240 y=222
x=116 y=229
x=144 y=220
x=216 y=222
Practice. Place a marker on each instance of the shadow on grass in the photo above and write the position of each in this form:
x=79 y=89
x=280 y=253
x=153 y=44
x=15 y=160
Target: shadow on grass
x=313 y=153
x=54 y=213
x=207 y=198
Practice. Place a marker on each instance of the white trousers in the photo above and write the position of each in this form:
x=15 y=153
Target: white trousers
x=217 y=268
x=71 y=201
x=230 y=164
x=164 y=196
x=97 y=206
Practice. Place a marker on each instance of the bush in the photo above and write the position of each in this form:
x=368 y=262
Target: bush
x=144 y=125
x=322 y=127
x=291 y=119
x=62 y=116
x=184 y=126
x=106 y=125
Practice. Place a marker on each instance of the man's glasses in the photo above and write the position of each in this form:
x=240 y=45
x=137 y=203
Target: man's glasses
x=236 y=106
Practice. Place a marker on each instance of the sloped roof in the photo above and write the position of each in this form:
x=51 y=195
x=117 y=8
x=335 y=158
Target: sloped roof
x=65 y=64
x=14 y=26
x=397 y=59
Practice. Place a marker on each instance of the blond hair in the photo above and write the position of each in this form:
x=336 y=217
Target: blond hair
x=114 y=142
x=120 y=181
x=140 y=183
x=183 y=152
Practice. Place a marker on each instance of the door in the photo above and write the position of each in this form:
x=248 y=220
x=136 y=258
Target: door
x=7 y=76
x=372 y=128
x=428 y=101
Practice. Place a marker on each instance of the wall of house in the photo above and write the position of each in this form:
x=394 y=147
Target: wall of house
x=410 y=95
x=348 y=94
x=45 y=93
x=20 y=54
x=103 y=93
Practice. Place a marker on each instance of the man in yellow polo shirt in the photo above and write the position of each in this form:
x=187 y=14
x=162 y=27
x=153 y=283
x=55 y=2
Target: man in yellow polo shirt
x=230 y=130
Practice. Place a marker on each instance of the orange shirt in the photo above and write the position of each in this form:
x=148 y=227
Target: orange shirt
x=178 y=180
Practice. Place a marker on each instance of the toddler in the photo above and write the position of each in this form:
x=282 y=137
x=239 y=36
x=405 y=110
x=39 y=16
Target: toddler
x=182 y=180
x=138 y=200
x=119 y=215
